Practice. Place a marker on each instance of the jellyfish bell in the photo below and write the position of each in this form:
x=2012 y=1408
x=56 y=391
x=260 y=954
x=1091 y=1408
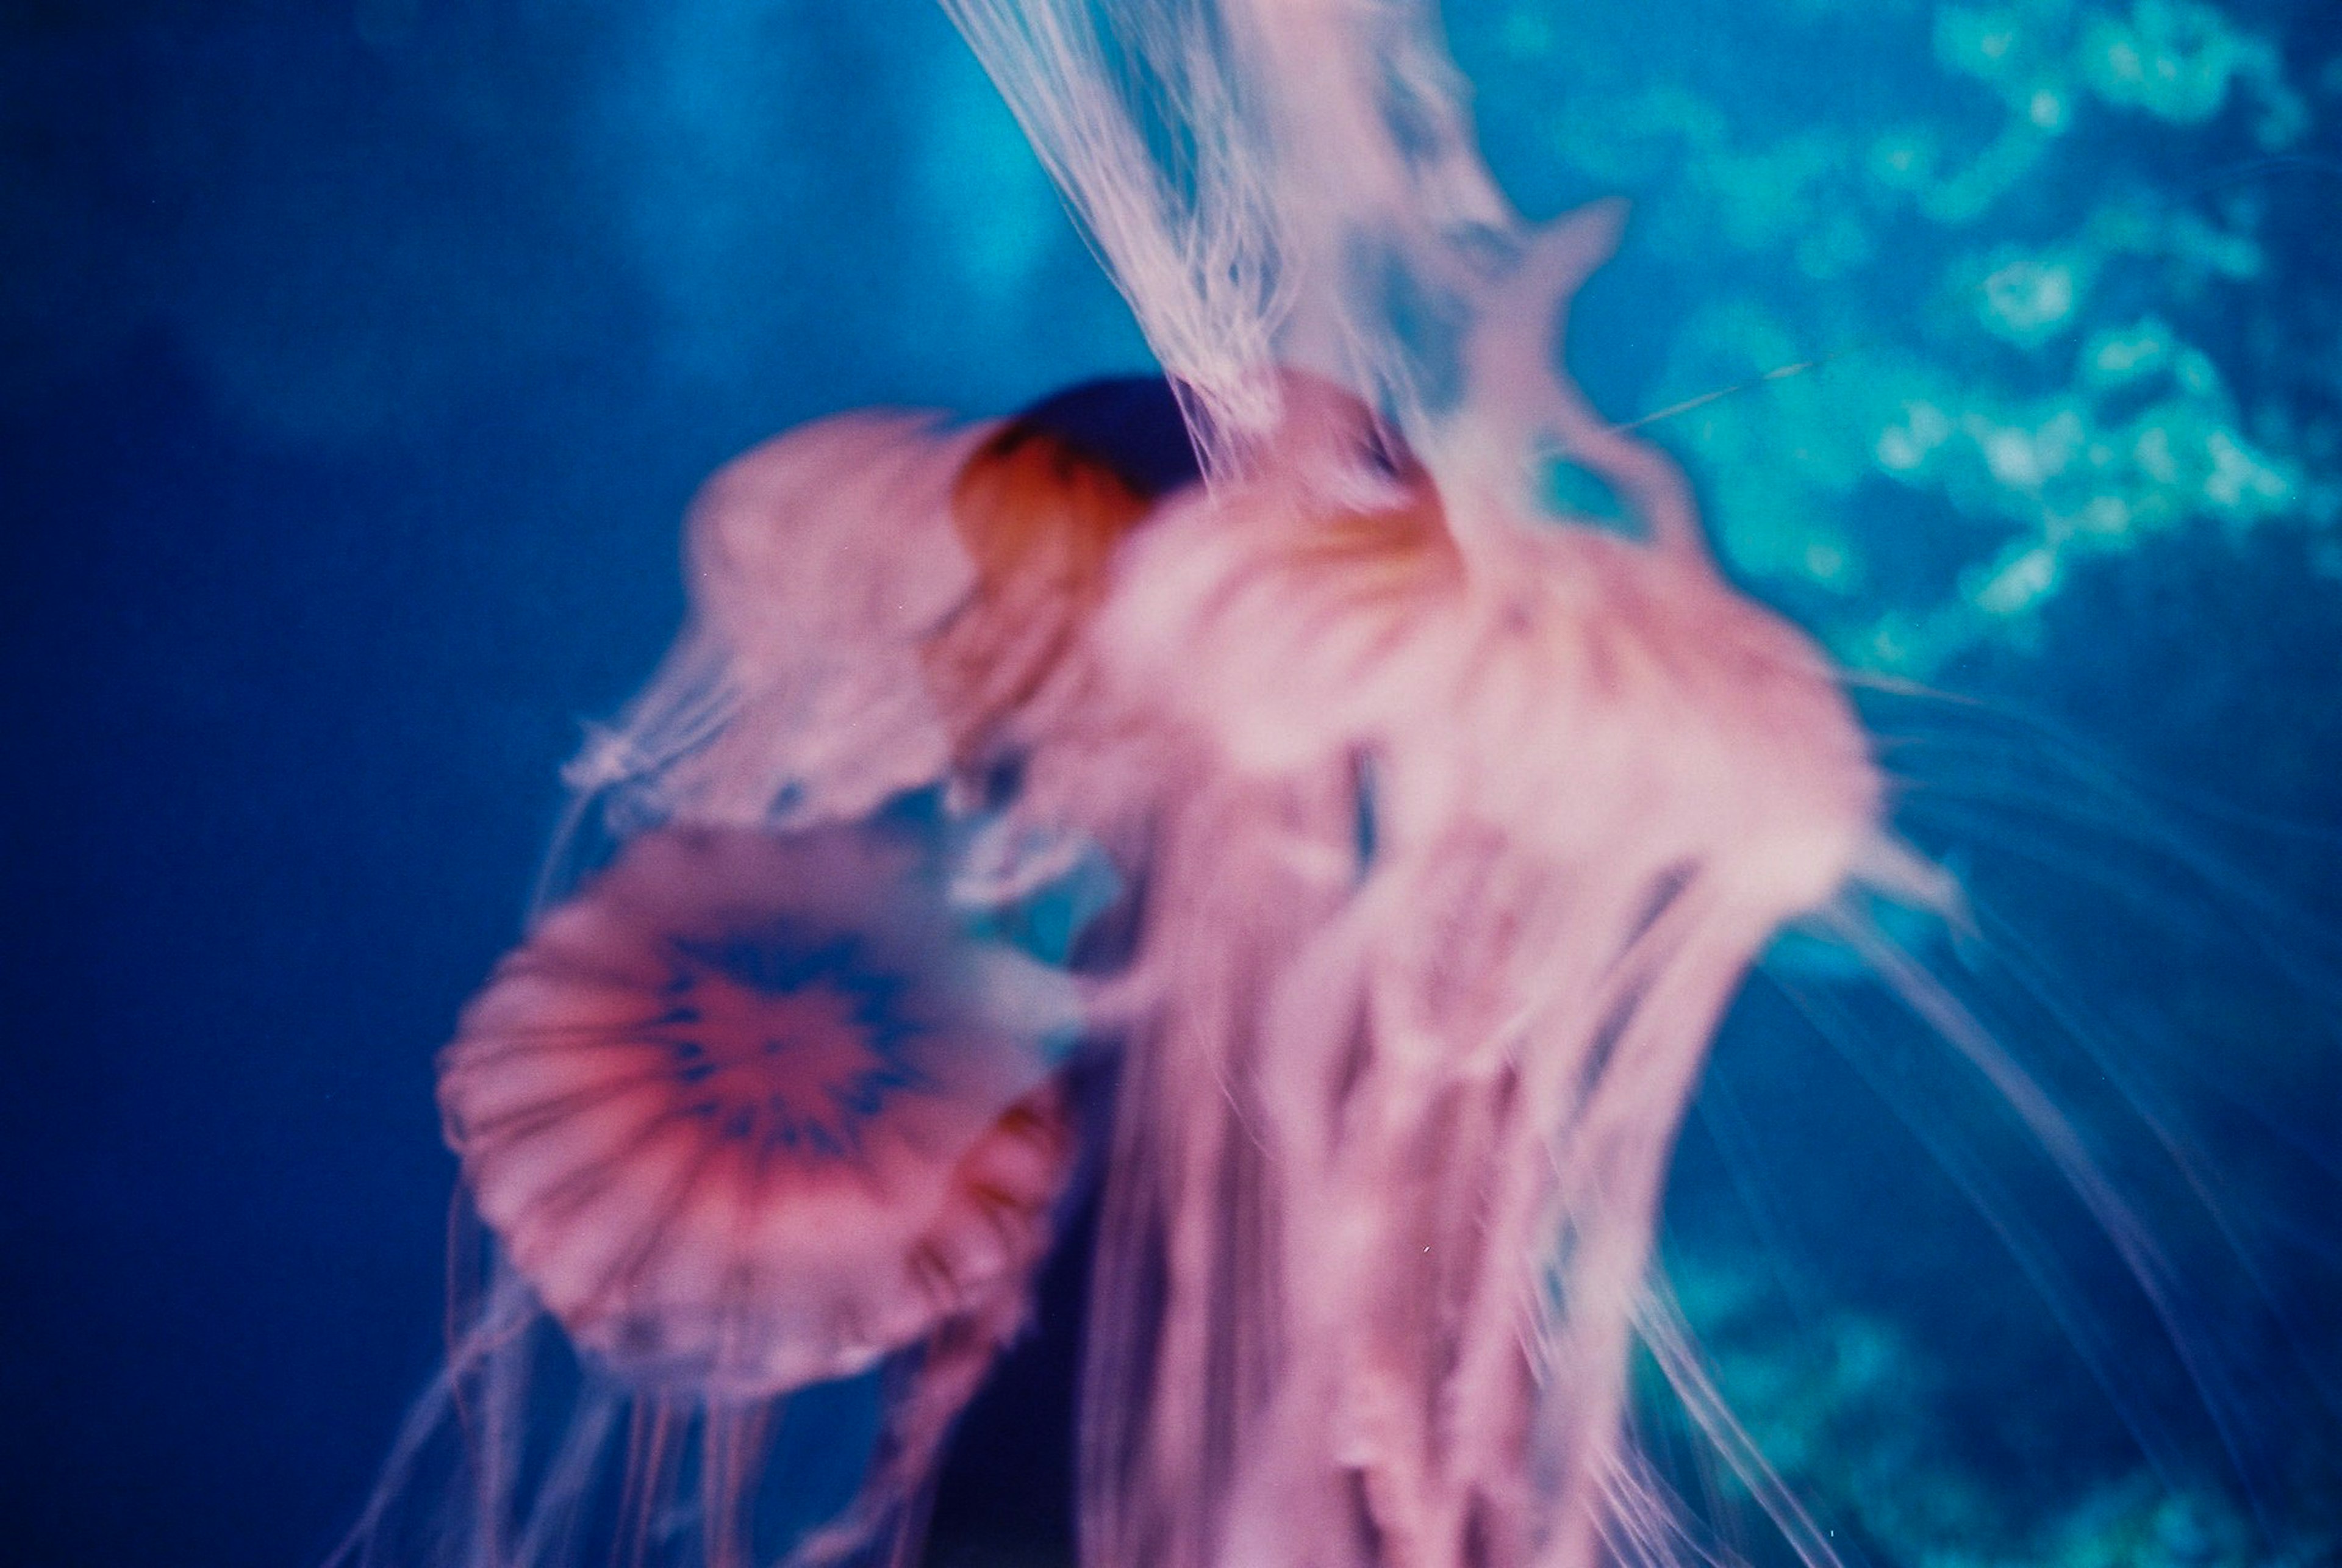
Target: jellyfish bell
x=747 y=1117
x=816 y=563
x=1344 y=604
x=880 y=603
x=1040 y=508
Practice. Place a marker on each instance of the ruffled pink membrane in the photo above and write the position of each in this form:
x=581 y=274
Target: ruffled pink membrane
x=745 y=1117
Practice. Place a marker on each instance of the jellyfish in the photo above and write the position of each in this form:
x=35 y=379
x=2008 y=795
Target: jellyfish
x=1266 y=736
x=738 y=1123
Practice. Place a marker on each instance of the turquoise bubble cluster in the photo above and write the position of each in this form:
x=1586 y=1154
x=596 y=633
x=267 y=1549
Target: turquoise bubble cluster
x=2022 y=249
x=1851 y=1415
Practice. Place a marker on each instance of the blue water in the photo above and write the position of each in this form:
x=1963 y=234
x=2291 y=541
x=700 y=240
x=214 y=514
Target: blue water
x=360 y=359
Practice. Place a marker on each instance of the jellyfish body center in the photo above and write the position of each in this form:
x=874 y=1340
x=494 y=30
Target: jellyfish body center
x=794 y=1044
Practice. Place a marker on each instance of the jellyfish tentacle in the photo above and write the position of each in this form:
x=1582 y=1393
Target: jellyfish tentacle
x=1014 y=1178
x=1520 y=401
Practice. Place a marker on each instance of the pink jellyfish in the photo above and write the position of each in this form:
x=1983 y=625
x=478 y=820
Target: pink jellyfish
x=748 y=1118
x=1482 y=822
